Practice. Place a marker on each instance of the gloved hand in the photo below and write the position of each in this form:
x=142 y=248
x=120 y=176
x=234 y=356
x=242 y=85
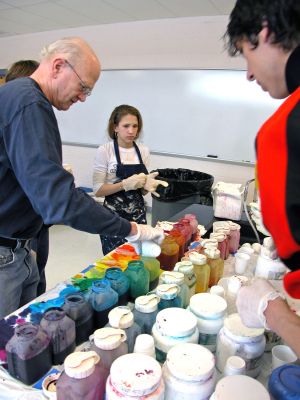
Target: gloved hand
x=255 y=212
x=253 y=300
x=146 y=232
x=152 y=183
x=134 y=182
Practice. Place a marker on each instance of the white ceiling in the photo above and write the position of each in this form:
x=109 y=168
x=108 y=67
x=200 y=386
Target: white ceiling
x=28 y=16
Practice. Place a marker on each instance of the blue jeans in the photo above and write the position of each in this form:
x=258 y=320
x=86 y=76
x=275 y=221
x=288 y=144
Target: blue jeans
x=19 y=278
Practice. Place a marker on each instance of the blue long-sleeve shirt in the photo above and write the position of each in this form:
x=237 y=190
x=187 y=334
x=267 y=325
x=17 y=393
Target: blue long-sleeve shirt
x=34 y=187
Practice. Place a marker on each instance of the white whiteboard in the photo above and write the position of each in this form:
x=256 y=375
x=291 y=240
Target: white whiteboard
x=189 y=112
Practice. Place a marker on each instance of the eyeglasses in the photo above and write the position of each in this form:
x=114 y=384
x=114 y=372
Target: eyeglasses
x=84 y=88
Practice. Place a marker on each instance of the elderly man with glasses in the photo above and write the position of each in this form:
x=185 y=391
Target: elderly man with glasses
x=34 y=186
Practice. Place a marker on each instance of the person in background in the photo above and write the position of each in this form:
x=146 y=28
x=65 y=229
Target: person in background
x=267 y=34
x=34 y=186
x=39 y=244
x=121 y=171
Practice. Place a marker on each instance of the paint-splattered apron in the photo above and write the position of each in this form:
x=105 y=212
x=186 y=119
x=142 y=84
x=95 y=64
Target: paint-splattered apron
x=129 y=205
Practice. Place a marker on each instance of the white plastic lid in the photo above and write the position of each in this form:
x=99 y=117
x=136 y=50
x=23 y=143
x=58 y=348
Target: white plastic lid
x=235 y=326
x=146 y=304
x=209 y=242
x=197 y=259
x=150 y=249
x=176 y=322
x=186 y=267
x=256 y=247
x=218 y=290
x=81 y=364
x=218 y=236
x=190 y=362
x=167 y=291
x=172 y=277
x=235 y=366
x=121 y=317
x=237 y=387
x=207 y=305
x=109 y=338
x=135 y=374
x=144 y=343
x=223 y=229
x=235 y=282
x=268 y=243
x=212 y=253
x=234 y=226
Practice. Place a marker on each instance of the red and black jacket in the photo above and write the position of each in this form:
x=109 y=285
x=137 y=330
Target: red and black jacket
x=278 y=173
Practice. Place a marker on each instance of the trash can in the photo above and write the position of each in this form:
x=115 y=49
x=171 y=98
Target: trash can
x=186 y=187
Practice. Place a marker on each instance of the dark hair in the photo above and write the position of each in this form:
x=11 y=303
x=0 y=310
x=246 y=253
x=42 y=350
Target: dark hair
x=21 y=68
x=248 y=17
x=120 y=112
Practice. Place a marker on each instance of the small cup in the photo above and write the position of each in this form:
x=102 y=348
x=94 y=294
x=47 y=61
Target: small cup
x=282 y=354
x=241 y=262
x=235 y=366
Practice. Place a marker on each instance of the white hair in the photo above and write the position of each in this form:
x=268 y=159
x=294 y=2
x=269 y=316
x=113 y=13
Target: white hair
x=72 y=47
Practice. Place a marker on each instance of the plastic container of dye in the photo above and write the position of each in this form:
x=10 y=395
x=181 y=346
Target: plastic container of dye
x=109 y=344
x=178 y=279
x=216 y=265
x=237 y=387
x=144 y=344
x=189 y=373
x=122 y=318
x=28 y=353
x=103 y=299
x=83 y=377
x=62 y=332
x=222 y=244
x=80 y=311
x=153 y=266
x=169 y=253
x=210 y=310
x=135 y=377
x=235 y=339
x=284 y=383
x=173 y=326
x=169 y=295
x=194 y=224
x=187 y=268
x=177 y=234
x=145 y=311
x=119 y=283
x=235 y=235
x=202 y=271
x=139 y=278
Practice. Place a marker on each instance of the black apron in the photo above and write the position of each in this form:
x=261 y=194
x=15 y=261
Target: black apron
x=129 y=205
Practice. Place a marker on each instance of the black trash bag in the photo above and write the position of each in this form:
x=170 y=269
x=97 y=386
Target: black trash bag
x=184 y=183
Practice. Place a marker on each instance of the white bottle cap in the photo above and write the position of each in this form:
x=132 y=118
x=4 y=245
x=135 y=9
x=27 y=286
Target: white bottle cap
x=190 y=362
x=167 y=291
x=235 y=282
x=186 y=267
x=144 y=344
x=109 y=338
x=209 y=243
x=146 y=304
x=81 y=364
x=121 y=317
x=256 y=247
x=209 y=306
x=172 y=277
x=235 y=366
x=150 y=249
x=167 y=322
x=233 y=226
x=234 y=325
x=212 y=253
x=237 y=387
x=197 y=259
x=129 y=375
x=218 y=236
x=218 y=290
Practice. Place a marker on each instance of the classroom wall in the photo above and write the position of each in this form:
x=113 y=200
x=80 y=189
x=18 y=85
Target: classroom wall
x=171 y=43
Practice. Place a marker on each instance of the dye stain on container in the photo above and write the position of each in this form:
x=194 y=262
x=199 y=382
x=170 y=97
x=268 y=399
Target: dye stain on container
x=28 y=353
x=120 y=283
x=61 y=330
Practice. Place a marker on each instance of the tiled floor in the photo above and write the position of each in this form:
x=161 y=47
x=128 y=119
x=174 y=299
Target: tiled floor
x=70 y=252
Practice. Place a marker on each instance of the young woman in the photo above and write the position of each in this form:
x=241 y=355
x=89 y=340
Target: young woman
x=120 y=170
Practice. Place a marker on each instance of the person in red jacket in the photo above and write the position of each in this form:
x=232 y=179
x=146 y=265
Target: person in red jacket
x=267 y=34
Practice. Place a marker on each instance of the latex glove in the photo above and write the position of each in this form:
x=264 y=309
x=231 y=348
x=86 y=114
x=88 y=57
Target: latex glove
x=146 y=232
x=134 y=182
x=152 y=183
x=256 y=216
x=253 y=300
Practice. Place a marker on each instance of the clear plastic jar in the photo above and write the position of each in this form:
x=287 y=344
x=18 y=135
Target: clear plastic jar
x=234 y=241
x=222 y=245
x=145 y=312
x=139 y=278
x=187 y=268
x=173 y=326
x=189 y=373
x=169 y=295
x=216 y=265
x=210 y=311
x=237 y=339
x=194 y=224
x=169 y=253
x=180 y=240
x=135 y=377
x=153 y=266
x=120 y=284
